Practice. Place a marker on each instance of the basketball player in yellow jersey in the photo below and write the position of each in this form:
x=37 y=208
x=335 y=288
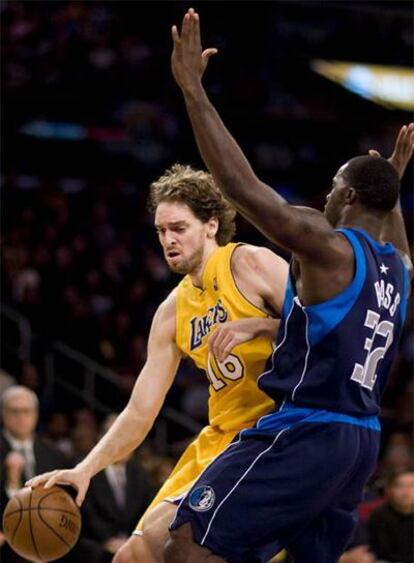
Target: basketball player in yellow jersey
x=221 y=316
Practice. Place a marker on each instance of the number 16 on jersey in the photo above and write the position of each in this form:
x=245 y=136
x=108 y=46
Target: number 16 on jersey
x=217 y=372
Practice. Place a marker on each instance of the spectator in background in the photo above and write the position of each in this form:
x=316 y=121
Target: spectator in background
x=58 y=431
x=398 y=453
x=84 y=433
x=30 y=377
x=23 y=454
x=116 y=498
x=391 y=525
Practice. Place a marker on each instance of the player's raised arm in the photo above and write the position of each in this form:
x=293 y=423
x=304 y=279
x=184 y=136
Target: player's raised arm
x=303 y=231
x=394 y=228
x=133 y=424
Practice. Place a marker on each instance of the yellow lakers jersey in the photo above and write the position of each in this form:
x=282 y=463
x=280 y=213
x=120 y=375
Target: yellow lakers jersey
x=235 y=400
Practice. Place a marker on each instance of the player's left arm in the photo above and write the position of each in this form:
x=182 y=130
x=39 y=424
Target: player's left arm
x=394 y=230
x=261 y=277
x=233 y=333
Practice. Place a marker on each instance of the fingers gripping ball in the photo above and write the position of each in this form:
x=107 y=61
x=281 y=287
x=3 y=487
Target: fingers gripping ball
x=41 y=524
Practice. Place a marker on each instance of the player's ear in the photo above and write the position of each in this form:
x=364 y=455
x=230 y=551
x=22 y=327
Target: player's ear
x=350 y=196
x=212 y=227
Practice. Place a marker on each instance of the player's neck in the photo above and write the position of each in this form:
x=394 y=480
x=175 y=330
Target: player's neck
x=197 y=274
x=363 y=219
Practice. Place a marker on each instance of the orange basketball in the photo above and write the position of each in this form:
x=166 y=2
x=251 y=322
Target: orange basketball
x=41 y=525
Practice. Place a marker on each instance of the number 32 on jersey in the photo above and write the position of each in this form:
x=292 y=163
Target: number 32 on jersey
x=366 y=374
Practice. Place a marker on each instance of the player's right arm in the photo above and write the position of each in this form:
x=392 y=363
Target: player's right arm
x=134 y=422
x=304 y=231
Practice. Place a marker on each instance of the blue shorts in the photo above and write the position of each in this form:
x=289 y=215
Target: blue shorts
x=292 y=481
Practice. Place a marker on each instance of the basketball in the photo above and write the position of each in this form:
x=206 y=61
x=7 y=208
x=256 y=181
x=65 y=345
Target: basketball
x=41 y=525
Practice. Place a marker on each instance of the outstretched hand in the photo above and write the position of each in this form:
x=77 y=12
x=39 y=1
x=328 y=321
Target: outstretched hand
x=403 y=149
x=188 y=60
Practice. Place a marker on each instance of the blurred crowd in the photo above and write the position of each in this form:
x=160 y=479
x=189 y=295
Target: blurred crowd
x=80 y=258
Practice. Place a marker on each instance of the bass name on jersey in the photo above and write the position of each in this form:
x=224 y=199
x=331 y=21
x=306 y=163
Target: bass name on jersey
x=386 y=297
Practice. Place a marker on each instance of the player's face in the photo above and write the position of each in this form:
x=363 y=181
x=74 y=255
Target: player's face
x=182 y=236
x=20 y=416
x=335 y=200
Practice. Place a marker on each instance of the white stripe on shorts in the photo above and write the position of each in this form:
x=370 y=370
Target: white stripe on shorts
x=239 y=481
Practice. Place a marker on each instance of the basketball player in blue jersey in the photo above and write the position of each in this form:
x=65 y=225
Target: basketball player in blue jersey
x=295 y=479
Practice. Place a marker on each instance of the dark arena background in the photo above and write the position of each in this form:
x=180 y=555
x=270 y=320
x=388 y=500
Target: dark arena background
x=90 y=117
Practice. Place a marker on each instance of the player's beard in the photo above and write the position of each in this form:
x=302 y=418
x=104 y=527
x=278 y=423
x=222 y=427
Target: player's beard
x=188 y=265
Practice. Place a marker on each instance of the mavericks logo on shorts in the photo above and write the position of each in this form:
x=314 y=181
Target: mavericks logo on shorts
x=202 y=498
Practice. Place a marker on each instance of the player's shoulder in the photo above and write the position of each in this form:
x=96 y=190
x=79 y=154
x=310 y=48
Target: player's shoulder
x=168 y=307
x=335 y=247
x=249 y=257
x=164 y=321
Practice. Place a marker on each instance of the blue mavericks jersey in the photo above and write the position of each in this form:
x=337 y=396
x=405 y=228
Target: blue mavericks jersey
x=336 y=355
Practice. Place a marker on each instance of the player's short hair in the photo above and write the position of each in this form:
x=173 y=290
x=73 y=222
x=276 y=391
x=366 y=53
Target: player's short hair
x=197 y=189
x=375 y=180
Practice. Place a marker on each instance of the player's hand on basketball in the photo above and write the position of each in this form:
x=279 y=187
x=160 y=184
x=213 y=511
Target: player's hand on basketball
x=77 y=478
x=229 y=335
x=188 y=60
x=403 y=149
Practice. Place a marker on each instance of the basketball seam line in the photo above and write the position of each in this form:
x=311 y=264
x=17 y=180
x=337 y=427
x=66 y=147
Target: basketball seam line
x=49 y=495
x=30 y=525
x=54 y=531
x=43 y=508
x=20 y=519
